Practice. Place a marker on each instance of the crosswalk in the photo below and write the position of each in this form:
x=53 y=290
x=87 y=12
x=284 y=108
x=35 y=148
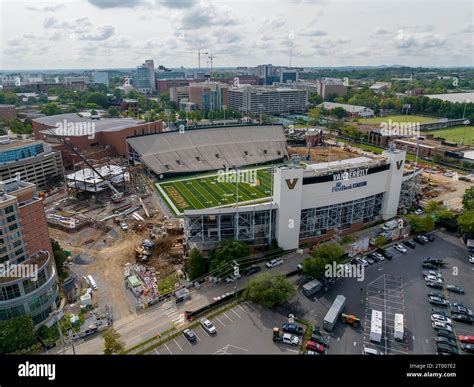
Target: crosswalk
x=169 y=309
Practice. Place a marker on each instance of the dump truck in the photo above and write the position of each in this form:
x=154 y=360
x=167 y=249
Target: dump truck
x=333 y=313
x=350 y=319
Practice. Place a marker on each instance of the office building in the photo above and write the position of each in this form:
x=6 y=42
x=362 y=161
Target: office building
x=28 y=285
x=101 y=77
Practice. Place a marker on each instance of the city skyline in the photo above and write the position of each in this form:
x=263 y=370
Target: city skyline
x=91 y=34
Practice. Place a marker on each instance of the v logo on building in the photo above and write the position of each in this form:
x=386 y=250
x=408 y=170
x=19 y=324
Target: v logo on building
x=399 y=164
x=291 y=183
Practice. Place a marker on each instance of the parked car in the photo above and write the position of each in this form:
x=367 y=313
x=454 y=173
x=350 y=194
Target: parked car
x=464 y=318
x=471 y=258
x=429 y=265
x=420 y=240
x=208 y=327
x=440 y=318
x=419 y=211
x=437 y=301
x=312 y=346
x=433 y=278
x=435 y=262
x=274 y=262
x=299 y=266
x=379 y=256
x=190 y=335
x=400 y=248
x=441 y=325
x=288 y=338
x=292 y=328
x=435 y=285
x=123 y=226
x=317 y=338
x=467 y=348
x=445 y=340
x=370 y=260
x=443 y=348
x=374 y=257
x=454 y=289
x=434 y=273
x=409 y=244
x=252 y=270
x=385 y=253
x=309 y=352
x=466 y=339
x=439 y=311
x=446 y=333
x=364 y=262
x=372 y=351
x=430 y=237
x=424 y=238
x=461 y=308
x=437 y=294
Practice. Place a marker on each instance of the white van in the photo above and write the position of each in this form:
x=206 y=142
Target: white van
x=91 y=282
x=371 y=351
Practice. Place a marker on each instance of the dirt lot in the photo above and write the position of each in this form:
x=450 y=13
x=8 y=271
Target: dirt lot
x=323 y=154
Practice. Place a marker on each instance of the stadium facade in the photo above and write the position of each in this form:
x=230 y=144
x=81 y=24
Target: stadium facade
x=310 y=204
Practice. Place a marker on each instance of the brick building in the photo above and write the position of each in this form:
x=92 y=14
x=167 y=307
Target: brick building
x=7 y=112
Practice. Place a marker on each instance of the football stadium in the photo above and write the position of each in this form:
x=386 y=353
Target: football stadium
x=239 y=183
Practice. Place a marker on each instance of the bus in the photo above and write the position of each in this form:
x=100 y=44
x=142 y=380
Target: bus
x=376 y=326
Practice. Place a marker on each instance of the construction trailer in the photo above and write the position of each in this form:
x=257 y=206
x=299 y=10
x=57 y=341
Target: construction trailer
x=376 y=326
x=334 y=312
x=311 y=288
x=399 y=327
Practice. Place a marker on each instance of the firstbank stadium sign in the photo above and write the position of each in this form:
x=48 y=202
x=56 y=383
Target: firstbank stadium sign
x=349 y=174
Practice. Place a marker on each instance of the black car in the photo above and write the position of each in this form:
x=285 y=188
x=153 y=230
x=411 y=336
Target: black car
x=447 y=349
x=417 y=239
x=252 y=270
x=317 y=338
x=467 y=347
x=409 y=244
x=374 y=257
x=437 y=294
x=435 y=285
x=190 y=336
x=454 y=289
x=439 y=311
x=385 y=253
x=430 y=237
x=462 y=318
x=292 y=328
x=446 y=333
x=435 y=262
x=429 y=265
x=445 y=340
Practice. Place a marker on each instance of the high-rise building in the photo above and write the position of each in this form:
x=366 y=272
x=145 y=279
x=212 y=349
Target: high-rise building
x=208 y=96
x=150 y=65
x=143 y=77
x=100 y=77
x=331 y=87
x=289 y=76
x=28 y=277
x=272 y=100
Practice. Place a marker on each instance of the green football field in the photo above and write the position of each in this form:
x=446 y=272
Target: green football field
x=215 y=190
x=456 y=134
x=398 y=118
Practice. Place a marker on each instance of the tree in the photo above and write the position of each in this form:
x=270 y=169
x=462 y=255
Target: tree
x=379 y=241
x=339 y=112
x=59 y=258
x=51 y=109
x=466 y=221
x=269 y=290
x=432 y=207
x=197 y=264
x=314 y=115
x=99 y=99
x=468 y=199
x=112 y=344
x=113 y=111
x=329 y=252
x=225 y=252
x=314 y=266
x=421 y=223
x=16 y=334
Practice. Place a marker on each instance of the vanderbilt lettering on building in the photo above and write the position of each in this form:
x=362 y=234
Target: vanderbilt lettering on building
x=346 y=175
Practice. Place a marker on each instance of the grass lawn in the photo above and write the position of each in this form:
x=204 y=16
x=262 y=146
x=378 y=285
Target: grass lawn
x=167 y=284
x=214 y=190
x=398 y=118
x=456 y=134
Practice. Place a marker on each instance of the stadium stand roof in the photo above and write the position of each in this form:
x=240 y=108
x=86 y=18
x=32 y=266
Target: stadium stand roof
x=210 y=149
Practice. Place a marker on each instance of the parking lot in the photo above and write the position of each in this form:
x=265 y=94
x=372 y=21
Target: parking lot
x=404 y=292
x=244 y=329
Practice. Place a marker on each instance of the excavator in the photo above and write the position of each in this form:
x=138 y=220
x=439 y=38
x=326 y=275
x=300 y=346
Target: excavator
x=350 y=319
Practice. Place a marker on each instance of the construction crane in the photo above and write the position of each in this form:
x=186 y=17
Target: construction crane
x=117 y=196
x=199 y=57
x=211 y=58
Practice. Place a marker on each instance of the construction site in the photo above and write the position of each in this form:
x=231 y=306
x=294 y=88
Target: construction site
x=109 y=219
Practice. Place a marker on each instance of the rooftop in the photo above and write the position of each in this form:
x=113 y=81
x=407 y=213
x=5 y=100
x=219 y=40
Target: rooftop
x=356 y=162
x=346 y=107
x=453 y=97
x=101 y=125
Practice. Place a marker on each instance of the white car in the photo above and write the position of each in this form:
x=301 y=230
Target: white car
x=441 y=325
x=434 y=273
x=208 y=327
x=448 y=174
x=440 y=318
x=379 y=256
x=400 y=248
x=432 y=278
x=471 y=258
x=419 y=212
x=288 y=338
x=274 y=262
x=364 y=262
x=123 y=226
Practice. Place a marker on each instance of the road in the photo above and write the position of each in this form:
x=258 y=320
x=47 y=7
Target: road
x=161 y=317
